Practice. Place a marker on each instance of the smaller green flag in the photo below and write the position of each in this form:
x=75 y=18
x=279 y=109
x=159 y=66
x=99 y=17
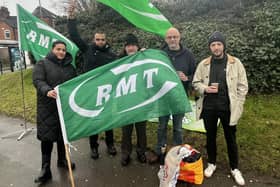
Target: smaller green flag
x=134 y=88
x=142 y=14
x=189 y=121
x=37 y=37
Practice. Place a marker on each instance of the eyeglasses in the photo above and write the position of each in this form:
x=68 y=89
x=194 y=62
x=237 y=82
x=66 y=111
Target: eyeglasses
x=100 y=39
x=172 y=37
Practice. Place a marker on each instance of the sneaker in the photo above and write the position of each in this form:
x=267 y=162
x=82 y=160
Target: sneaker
x=237 y=175
x=208 y=172
x=152 y=157
x=111 y=150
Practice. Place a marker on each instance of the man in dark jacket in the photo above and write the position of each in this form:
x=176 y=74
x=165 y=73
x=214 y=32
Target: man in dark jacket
x=131 y=46
x=96 y=54
x=183 y=61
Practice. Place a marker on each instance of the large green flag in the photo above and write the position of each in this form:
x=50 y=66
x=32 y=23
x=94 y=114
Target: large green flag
x=37 y=37
x=128 y=90
x=142 y=14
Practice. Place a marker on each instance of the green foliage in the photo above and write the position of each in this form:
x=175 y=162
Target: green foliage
x=264 y=42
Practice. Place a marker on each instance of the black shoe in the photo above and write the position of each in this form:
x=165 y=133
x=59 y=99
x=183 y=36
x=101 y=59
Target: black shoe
x=152 y=157
x=45 y=175
x=125 y=160
x=141 y=158
x=111 y=150
x=63 y=164
x=94 y=153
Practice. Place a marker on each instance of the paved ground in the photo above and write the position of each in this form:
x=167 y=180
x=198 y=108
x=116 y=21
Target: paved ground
x=20 y=164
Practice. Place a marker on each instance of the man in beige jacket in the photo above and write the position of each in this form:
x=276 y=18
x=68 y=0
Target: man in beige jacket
x=222 y=83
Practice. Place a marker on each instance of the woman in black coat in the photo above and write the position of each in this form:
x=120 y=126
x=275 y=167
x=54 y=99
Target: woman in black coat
x=49 y=72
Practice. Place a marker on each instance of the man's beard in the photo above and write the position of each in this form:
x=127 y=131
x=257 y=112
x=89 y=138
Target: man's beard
x=221 y=55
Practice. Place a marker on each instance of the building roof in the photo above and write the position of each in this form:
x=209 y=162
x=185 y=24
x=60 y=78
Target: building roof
x=11 y=21
x=45 y=13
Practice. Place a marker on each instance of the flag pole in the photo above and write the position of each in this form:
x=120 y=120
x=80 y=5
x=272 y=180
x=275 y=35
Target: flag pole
x=26 y=130
x=67 y=144
x=40 y=6
x=69 y=165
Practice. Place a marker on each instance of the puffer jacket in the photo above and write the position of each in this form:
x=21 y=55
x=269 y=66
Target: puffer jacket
x=236 y=81
x=47 y=74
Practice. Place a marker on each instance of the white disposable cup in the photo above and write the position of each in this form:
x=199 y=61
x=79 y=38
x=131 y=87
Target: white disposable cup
x=215 y=84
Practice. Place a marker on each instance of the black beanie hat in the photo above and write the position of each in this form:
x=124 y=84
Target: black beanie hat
x=131 y=39
x=217 y=37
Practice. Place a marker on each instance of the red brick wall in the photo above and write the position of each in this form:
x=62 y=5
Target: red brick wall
x=48 y=21
x=13 y=32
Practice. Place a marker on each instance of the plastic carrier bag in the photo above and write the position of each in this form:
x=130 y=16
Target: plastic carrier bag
x=181 y=163
x=191 y=167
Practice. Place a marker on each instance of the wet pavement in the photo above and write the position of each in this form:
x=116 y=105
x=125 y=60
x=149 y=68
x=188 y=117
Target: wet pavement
x=20 y=163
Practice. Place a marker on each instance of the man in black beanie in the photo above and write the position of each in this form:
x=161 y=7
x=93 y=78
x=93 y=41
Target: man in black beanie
x=217 y=36
x=222 y=83
x=131 y=46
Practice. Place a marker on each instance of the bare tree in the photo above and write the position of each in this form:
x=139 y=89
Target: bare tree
x=81 y=5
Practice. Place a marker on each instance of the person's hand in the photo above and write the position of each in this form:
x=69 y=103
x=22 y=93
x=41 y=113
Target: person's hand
x=52 y=94
x=143 y=49
x=211 y=89
x=182 y=76
x=71 y=9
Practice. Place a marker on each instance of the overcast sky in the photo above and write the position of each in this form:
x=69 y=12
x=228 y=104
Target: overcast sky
x=29 y=5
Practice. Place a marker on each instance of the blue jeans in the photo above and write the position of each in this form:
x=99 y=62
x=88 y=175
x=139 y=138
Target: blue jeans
x=162 y=130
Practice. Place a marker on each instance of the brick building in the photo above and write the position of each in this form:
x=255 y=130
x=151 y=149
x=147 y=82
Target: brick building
x=8 y=25
x=9 y=51
x=45 y=15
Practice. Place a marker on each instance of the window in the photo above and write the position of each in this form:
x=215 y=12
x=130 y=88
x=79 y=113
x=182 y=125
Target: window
x=7 y=34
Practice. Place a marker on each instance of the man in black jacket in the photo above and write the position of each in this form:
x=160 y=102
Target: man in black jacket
x=183 y=62
x=96 y=54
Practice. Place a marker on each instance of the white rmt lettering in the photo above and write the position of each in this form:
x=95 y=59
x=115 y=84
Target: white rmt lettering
x=44 y=41
x=54 y=39
x=124 y=87
x=31 y=36
x=149 y=74
x=103 y=93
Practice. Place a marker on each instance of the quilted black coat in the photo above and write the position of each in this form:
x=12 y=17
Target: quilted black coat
x=47 y=74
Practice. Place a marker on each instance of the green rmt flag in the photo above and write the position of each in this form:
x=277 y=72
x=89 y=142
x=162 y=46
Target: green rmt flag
x=132 y=89
x=37 y=37
x=142 y=14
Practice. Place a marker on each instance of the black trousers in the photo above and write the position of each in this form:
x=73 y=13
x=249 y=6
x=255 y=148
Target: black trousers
x=46 y=150
x=109 y=139
x=210 y=118
x=126 y=144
